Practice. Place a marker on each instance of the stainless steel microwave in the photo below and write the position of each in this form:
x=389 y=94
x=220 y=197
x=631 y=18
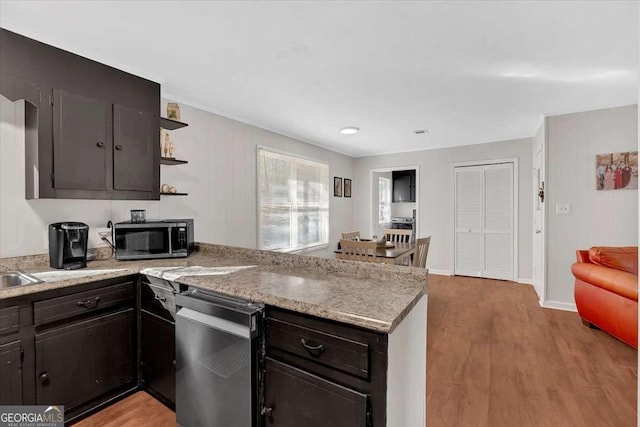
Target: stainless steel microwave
x=169 y=238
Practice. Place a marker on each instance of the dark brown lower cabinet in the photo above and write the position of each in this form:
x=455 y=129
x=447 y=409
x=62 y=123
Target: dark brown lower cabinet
x=11 y=373
x=158 y=357
x=294 y=397
x=80 y=361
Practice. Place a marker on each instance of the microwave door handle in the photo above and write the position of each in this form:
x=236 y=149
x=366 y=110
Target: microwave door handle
x=170 y=239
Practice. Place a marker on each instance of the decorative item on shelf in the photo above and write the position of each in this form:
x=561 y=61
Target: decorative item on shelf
x=173 y=111
x=161 y=142
x=347 y=187
x=164 y=188
x=171 y=150
x=337 y=186
x=617 y=171
x=172 y=189
x=167 y=144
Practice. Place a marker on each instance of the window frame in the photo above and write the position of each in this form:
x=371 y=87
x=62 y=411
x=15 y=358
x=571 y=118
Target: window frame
x=294 y=205
x=389 y=187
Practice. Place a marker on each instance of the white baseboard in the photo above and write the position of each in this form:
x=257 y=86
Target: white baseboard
x=440 y=272
x=525 y=281
x=559 y=305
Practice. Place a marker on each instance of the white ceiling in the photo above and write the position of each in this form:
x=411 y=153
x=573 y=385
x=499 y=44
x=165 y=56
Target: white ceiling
x=468 y=72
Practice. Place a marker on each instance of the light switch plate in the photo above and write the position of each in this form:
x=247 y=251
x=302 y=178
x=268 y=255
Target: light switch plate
x=563 y=209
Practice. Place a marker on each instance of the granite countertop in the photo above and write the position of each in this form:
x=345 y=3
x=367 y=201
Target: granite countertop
x=371 y=296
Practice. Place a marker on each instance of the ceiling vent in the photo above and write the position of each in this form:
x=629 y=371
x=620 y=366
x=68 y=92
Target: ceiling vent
x=421 y=131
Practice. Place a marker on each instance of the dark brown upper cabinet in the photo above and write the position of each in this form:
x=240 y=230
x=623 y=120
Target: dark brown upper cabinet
x=91 y=131
x=133 y=156
x=79 y=142
x=404 y=186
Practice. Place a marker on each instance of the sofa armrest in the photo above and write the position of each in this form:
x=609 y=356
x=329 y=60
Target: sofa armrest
x=582 y=256
x=617 y=281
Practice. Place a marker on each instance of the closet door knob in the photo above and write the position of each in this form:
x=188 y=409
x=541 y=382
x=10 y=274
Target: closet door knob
x=119 y=147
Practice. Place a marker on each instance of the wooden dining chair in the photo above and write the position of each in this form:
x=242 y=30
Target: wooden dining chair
x=358 y=251
x=351 y=235
x=400 y=236
x=422 y=249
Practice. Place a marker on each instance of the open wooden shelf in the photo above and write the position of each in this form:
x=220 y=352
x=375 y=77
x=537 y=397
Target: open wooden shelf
x=170 y=124
x=172 y=161
x=173 y=194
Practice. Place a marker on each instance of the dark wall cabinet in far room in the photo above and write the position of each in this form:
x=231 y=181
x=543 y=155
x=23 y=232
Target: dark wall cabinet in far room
x=404 y=186
x=91 y=131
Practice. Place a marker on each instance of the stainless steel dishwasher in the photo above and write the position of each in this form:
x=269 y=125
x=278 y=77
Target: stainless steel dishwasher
x=219 y=348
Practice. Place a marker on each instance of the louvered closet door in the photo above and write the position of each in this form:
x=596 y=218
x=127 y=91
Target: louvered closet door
x=498 y=221
x=468 y=221
x=484 y=214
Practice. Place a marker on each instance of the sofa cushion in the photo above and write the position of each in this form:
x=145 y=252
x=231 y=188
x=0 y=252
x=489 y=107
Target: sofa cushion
x=620 y=258
x=613 y=280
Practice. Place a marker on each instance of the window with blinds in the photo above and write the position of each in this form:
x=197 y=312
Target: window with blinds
x=293 y=202
x=384 y=200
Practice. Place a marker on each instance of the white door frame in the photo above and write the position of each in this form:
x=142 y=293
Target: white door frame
x=391 y=169
x=542 y=274
x=513 y=160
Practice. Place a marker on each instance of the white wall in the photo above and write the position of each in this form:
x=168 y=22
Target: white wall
x=434 y=187
x=220 y=179
x=605 y=218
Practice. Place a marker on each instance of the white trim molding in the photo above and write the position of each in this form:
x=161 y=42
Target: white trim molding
x=438 y=272
x=559 y=305
x=525 y=281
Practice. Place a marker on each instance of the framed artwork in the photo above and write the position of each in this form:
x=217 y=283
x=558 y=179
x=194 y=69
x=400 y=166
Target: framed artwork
x=617 y=171
x=337 y=186
x=347 y=187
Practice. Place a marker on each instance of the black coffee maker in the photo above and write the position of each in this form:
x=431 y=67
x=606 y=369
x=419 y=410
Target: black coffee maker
x=68 y=245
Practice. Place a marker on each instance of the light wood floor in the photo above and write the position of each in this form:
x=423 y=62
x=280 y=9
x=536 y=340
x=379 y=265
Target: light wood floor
x=137 y=410
x=495 y=358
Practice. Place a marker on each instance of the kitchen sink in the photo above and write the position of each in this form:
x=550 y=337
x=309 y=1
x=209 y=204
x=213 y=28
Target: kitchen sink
x=9 y=279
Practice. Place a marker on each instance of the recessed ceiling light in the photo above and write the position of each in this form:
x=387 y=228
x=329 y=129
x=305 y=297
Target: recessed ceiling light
x=421 y=131
x=349 y=130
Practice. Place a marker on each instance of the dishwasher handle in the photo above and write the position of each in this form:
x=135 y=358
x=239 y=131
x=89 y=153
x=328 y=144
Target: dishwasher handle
x=218 y=323
x=204 y=308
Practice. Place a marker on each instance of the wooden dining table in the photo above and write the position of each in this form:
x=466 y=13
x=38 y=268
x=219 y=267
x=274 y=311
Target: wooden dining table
x=396 y=255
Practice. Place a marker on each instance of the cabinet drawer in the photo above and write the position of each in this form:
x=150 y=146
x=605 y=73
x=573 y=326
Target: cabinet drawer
x=9 y=320
x=158 y=300
x=331 y=350
x=69 y=306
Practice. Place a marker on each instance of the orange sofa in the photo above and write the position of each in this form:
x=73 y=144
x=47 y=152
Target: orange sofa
x=606 y=290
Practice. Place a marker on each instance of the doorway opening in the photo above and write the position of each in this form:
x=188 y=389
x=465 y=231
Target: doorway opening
x=394 y=200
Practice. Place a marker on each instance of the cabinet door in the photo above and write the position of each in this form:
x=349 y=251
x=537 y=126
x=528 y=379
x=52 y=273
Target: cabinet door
x=401 y=187
x=79 y=142
x=158 y=356
x=80 y=361
x=297 y=398
x=135 y=140
x=11 y=374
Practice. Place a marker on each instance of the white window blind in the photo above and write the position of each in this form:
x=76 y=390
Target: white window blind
x=293 y=202
x=384 y=196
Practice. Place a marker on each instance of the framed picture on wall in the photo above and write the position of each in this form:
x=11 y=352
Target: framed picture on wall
x=337 y=186
x=617 y=171
x=347 y=187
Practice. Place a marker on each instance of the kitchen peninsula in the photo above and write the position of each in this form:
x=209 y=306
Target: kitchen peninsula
x=368 y=319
